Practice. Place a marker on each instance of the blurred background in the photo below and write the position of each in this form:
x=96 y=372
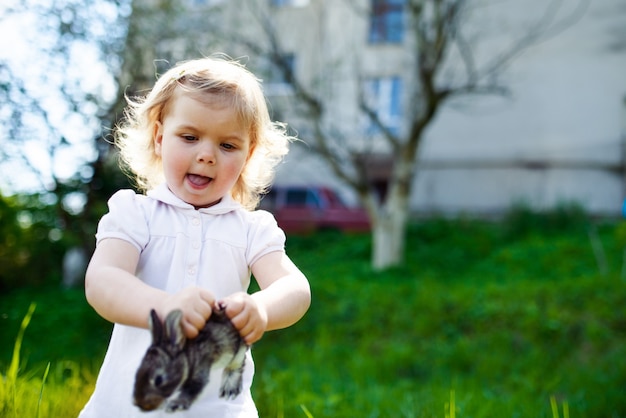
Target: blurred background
x=461 y=166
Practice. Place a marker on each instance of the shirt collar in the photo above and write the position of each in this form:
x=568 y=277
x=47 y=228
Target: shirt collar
x=163 y=194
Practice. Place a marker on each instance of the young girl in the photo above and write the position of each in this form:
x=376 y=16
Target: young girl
x=202 y=144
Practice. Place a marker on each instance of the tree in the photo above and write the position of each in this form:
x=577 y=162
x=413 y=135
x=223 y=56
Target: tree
x=445 y=63
x=32 y=241
x=55 y=79
x=56 y=83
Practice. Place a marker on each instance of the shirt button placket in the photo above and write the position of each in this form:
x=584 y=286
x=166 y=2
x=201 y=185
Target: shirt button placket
x=195 y=235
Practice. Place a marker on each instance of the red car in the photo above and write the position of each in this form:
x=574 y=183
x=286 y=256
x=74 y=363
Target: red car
x=302 y=209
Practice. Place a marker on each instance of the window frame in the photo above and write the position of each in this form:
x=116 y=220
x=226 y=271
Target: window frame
x=387 y=21
x=289 y=3
x=275 y=83
x=384 y=96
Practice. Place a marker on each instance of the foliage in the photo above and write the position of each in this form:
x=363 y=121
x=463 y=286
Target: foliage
x=23 y=395
x=32 y=243
x=521 y=220
x=52 y=116
x=504 y=319
x=36 y=230
x=51 y=111
x=63 y=318
x=487 y=319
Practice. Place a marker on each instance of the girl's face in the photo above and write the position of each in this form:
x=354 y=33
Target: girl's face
x=203 y=148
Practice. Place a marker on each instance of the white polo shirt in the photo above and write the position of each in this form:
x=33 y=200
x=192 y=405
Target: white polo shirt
x=179 y=247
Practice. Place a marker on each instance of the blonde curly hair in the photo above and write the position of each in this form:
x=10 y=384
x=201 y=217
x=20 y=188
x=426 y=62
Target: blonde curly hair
x=218 y=77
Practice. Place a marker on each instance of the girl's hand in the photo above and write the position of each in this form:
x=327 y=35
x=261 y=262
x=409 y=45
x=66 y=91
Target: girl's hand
x=248 y=316
x=196 y=304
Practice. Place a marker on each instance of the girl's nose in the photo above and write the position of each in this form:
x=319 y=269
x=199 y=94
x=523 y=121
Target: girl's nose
x=206 y=154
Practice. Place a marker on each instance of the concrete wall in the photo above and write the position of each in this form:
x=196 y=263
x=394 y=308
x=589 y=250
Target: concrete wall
x=557 y=138
x=566 y=114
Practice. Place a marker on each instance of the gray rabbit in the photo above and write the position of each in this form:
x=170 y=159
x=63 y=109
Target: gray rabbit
x=175 y=370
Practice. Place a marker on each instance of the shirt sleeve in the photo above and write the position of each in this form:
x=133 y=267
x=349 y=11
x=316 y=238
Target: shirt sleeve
x=264 y=236
x=125 y=220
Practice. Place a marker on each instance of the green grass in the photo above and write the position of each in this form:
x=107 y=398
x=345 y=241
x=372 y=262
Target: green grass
x=512 y=319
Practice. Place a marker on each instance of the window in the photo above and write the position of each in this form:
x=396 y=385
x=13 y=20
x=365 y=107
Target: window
x=277 y=82
x=387 y=21
x=203 y=3
x=277 y=73
x=297 y=197
x=383 y=96
x=302 y=197
x=293 y=3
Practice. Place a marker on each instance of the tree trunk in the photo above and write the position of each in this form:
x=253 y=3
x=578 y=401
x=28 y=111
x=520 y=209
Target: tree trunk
x=388 y=242
x=389 y=226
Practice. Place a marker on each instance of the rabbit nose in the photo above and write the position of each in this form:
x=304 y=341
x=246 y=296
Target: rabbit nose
x=149 y=403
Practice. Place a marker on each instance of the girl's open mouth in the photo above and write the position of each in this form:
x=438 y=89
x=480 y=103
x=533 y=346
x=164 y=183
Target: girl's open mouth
x=197 y=180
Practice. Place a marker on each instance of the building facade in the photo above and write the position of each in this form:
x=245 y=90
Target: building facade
x=556 y=137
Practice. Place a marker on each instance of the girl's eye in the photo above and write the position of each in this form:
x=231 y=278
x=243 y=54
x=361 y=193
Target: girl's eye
x=228 y=147
x=188 y=137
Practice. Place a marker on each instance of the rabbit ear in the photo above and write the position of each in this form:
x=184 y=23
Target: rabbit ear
x=156 y=327
x=173 y=329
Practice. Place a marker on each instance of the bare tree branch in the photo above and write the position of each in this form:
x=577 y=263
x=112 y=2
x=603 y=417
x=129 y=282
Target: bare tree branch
x=544 y=29
x=444 y=63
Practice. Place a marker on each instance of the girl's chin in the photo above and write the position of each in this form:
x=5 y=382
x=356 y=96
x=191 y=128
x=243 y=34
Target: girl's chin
x=201 y=203
x=193 y=198
x=207 y=205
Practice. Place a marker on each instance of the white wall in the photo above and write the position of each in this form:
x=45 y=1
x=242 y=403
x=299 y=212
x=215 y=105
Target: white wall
x=566 y=107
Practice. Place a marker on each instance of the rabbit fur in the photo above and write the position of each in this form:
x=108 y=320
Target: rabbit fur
x=175 y=369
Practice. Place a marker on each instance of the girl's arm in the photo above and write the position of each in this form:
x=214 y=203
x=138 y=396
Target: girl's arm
x=114 y=291
x=284 y=298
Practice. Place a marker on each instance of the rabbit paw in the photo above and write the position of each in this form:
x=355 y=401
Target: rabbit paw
x=231 y=385
x=178 y=404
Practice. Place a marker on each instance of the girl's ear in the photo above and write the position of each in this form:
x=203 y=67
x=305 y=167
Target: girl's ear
x=158 y=137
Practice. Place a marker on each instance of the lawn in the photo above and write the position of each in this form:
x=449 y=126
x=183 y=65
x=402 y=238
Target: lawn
x=519 y=318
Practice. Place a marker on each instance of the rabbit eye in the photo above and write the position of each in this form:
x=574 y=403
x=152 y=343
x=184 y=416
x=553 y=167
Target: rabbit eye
x=158 y=381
